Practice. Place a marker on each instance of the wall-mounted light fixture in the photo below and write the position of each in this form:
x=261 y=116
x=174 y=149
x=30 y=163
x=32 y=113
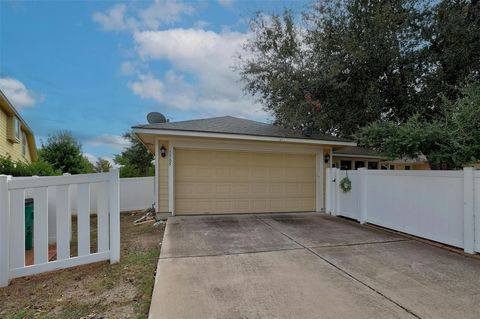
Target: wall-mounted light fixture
x=163 y=151
x=327 y=158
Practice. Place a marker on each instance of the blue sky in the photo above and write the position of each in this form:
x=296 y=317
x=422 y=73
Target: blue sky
x=98 y=67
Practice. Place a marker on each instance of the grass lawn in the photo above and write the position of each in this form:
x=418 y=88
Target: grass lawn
x=98 y=290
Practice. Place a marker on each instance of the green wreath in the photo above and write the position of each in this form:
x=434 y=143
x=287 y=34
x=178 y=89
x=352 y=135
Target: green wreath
x=346 y=184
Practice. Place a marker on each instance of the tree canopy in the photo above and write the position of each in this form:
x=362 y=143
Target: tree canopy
x=347 y=63
x=102 y=165
x=449 y=142
x=134 y=160
x=64 y=153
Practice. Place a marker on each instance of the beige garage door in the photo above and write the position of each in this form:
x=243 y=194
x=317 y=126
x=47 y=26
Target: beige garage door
x=219 y=182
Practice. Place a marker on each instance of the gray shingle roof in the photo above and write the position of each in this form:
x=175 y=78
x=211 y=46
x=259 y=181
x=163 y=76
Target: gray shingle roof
x=234 y=125
x=356 y=150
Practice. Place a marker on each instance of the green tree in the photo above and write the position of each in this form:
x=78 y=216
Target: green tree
x=346 y=64
x=64 y=153
x=134 y=160
x=102 y=165
x=453 y=34
x=449 y=142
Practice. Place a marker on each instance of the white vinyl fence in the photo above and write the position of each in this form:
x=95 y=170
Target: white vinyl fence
x=12 y=221
x=135 y=194
x=443 y=206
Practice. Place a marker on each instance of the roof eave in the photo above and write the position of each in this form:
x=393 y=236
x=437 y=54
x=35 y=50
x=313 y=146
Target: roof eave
x=14 y=111
x=169 y=132
x=357 y=155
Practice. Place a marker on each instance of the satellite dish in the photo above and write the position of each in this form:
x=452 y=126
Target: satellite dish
x=156 y=117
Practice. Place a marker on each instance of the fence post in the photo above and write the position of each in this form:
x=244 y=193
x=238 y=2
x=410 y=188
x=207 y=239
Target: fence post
x=4 y=232
x=468 y=210
x=362 y=194
x=337 y=191
x=114 y=216
x=328 y=190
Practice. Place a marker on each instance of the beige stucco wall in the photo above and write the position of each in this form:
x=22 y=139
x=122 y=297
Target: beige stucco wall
x=8 y=148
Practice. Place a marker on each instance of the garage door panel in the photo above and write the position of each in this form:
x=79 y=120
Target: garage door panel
x=243 y=182
x=241 y=205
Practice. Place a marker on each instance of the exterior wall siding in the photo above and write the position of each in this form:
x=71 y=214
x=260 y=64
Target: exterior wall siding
x=163 y=181
x=7 y=148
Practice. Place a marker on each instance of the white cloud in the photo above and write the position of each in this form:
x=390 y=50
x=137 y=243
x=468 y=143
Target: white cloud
x=127 y=68
x=209 y=57
x=119 y=18
x=201 y=24
x=148 y=86
x=18 y=93
x=225 y=3
x=162 y=12
x=202 y=79
x=114 y=19
x=109 y=140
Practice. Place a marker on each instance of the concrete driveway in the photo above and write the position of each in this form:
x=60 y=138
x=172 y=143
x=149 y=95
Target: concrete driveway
x=306 y=266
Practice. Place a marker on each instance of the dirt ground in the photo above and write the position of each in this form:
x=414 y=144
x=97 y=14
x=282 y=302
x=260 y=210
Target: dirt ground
x=98 y=290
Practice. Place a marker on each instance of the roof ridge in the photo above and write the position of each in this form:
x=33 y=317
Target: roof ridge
x=203 y=119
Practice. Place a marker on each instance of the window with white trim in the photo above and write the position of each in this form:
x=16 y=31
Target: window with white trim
x=24 y=144
x=16 y=125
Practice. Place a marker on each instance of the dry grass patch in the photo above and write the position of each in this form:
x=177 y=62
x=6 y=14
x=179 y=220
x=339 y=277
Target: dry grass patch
x=98 y=290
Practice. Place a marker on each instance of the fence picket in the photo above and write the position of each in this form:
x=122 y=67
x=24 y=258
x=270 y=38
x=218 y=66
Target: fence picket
x=63 y=222
x=62 y=189
x=40 y=222
x=102 y=217
x=17 y=222
x=83 y=219
x=4 y=232
x=114 y=215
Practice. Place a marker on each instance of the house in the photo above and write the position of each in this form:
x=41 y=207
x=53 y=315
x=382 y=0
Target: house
x=418 y=163
x=232 y=165
x=354 y=157
x=16 y=137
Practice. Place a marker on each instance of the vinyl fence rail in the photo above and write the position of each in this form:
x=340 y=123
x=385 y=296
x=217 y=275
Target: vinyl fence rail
x=12 y=222
x=443 y=206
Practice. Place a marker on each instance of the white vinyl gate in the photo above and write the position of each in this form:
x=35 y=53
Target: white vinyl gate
x=443 y=206
x=12 y=222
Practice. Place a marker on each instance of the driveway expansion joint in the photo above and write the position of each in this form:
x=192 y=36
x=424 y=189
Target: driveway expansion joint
x=344 y=271
x=361 y=244
x=233 y=254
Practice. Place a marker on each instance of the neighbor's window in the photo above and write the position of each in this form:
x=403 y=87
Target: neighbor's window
x=407 y=167
x=24 y=144
x=16 y=125
x=372 y=165
x=392 y=166
x=359 y=164
x=345 y=165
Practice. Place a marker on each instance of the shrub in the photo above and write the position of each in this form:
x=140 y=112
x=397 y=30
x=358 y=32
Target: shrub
x=20 y=168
